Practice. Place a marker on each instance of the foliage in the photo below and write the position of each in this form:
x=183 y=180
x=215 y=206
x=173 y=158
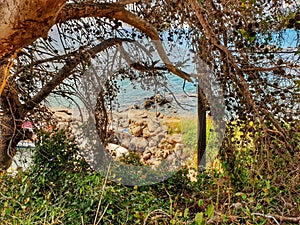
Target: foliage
x=60 y=189
x=133 y=159
x=242 y=42
x=189 y=129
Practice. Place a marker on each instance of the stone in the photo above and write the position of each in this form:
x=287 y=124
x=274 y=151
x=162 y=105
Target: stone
x=162 y=100
x=148 y=103
x=152 y=150
x=125 y=143
x=138 y=144
x=135 y=106
x=153 y=162
x=122 y=135
x=169 y=146
x=175 y=138
x=134 y=114
x=136 y=130
x=153 y=126
x=146 y=133
x=158 y=137
x=117 y=150
x=147 y=155
x=152 y=143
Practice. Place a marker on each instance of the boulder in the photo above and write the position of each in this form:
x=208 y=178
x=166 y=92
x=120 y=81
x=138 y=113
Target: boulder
x=136 y=130
x=117 y=150
x=138 y=144
x=146 y=132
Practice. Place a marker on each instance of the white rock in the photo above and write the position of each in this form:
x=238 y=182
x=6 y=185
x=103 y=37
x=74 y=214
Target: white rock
x=118 y=150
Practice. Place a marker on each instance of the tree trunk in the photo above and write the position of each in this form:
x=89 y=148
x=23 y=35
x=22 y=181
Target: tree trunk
x=201 y=130
x=101 y=118
x=11 y=118
x=22 y=22
x=9 y=140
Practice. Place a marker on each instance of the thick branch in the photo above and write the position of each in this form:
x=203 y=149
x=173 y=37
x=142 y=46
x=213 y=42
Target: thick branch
x=22 y=22
x=56 y=11
x=76 y=11
x=211 y=37
x=66 y=70
x=127 y=2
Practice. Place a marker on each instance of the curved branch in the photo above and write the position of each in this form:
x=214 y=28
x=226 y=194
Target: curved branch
x=240 y=80
x=22 y=22
x=61 y=12
x=66 y=70
x=117 y=11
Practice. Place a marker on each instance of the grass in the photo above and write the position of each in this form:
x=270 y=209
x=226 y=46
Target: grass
x=60 y=189
x=188 y=127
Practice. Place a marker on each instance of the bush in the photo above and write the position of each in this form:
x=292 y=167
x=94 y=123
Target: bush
x=60 y=189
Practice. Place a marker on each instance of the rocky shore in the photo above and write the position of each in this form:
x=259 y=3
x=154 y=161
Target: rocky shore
x=153 y=136
x=147 y=134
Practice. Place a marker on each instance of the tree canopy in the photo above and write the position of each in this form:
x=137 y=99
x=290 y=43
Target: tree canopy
x=242 y=42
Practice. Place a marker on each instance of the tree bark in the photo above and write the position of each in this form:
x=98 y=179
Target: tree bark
x=23 y=22
x=101 y=117
x=11 y=119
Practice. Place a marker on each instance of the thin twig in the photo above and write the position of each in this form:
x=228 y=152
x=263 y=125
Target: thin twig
x=14 y=130
x=102 y=215
x=157 y=211
x=101 y=197
x=171 y=201
x=267 y=216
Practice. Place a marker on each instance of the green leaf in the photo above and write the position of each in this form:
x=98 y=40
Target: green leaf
x=200 y=202
x=210 y=211
x=244 y=196
x=186 y=212
x=199 y=218
x=172 y=221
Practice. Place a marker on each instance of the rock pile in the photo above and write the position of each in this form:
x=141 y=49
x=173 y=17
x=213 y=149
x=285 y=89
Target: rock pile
x=146 y=133
x=156 y=99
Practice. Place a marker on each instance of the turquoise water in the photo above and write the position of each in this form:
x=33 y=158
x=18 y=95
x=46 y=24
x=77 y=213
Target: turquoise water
x=133 y=94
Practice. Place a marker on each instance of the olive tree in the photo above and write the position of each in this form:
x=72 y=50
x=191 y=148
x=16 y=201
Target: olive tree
x=34 y=66
x=236 y=39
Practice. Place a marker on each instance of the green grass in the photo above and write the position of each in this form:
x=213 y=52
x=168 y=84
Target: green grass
x=60 y=189
x=189 y=128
